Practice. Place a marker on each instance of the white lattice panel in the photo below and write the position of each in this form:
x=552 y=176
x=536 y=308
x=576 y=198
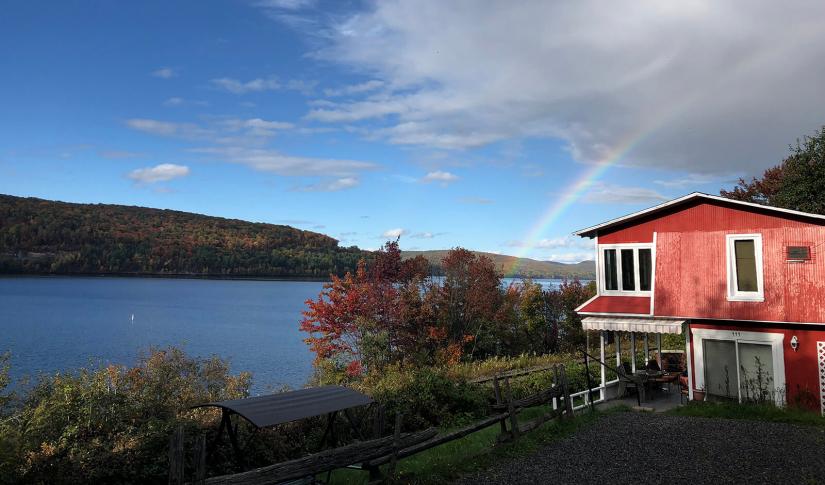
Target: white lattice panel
x=820 y=354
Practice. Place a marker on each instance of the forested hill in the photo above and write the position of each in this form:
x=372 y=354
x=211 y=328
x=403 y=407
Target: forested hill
x=521 y=267
x=40 y=236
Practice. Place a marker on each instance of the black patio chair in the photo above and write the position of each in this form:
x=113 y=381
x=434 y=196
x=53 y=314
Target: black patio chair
x=627 y=380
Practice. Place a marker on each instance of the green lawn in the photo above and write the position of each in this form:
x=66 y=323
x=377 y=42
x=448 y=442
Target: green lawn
x=760 y=412
x=477 y=451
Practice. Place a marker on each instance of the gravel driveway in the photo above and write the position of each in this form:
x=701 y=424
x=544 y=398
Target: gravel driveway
x=652 y=448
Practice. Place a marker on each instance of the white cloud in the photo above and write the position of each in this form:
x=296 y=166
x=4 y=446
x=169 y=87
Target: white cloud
x=221 y=130
x=694 y=85
x=440 y=176
x=164 y=73
x=330 y=186
x=240 y=87
x=167 y=128
x=573 y=257
x=243 y=141
x=355 y=88
x=690 y=180
x=476 y=200
x=256 y=127
x=178 y=101
x=159 y=173
x=270 y=83
x=394 y=233
x=118 y=154
x=601 y=193
x=285 y=4
x=565 y=242
x=426 y=235
x=268 y=160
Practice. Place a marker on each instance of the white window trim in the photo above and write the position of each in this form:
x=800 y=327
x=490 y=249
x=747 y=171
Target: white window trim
x=730 y=261
x=775 y=340
x=618 y=247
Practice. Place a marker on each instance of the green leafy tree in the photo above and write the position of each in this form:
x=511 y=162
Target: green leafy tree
x=797 y=183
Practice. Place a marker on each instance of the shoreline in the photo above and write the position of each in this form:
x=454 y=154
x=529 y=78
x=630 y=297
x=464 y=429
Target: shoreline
x=164 y=276
x=230 y=278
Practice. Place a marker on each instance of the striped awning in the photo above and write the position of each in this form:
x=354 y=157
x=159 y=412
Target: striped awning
x=627 y=324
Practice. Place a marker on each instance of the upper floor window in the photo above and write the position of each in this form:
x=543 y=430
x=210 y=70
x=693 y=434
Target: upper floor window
x=626 y=269
x=744 y=256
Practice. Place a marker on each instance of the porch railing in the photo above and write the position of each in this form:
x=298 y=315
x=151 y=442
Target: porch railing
x=620 y=373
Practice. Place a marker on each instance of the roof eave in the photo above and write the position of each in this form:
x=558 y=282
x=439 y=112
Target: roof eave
x=593 y=231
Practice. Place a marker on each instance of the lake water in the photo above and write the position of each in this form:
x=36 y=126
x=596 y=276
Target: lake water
x=63 y=323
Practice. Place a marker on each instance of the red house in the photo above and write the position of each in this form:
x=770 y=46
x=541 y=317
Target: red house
x=744 y=282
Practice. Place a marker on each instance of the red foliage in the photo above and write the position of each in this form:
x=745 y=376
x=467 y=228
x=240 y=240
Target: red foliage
x=390 y=312
x=762 y=190
x=385 y=299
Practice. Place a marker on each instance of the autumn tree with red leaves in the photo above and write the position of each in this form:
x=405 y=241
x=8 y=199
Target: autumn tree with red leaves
x=391 y=312
x=372 y=317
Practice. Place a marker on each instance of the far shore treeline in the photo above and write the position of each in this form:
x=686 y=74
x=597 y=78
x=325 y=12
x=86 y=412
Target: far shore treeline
x=48 y=237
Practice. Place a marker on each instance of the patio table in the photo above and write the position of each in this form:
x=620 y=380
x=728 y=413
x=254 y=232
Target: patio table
x=665 y=378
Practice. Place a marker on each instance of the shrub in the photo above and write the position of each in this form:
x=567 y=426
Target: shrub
x=112 y=424
x=426 y=396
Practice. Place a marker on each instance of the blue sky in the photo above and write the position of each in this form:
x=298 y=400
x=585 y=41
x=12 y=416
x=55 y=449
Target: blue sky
x=449 y=123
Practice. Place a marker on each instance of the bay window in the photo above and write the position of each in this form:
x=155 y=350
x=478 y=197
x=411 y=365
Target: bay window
x=626 y=269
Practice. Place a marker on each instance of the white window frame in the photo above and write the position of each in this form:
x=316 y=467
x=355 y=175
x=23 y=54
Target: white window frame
x=775 y=340
x=730 y=259
x=618 y=247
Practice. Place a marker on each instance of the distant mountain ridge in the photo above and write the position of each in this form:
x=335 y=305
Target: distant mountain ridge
x=524 y=267
x=47 y=237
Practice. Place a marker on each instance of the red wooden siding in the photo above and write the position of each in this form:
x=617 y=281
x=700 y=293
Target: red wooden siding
x=801 y=366
x=701 y=215
x=691 y=269
x=619 y=304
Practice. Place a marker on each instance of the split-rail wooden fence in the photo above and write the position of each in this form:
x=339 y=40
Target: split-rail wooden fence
x=372 y=454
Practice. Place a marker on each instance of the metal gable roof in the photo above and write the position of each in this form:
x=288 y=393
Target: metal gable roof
x=592 y=230
x=265 y=411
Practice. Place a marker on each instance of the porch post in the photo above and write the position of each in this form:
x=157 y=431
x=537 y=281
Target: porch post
x=633 y=352
x=659 y=349
x=647 y=350
x=618 y=342
x=604 y=371
x=689 y=361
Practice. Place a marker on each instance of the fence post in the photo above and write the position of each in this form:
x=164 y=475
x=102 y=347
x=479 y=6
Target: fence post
x=503 y=421
x=396 y=438
x=200 y=460
x=511 y=409
x=568 y=401
x=176 y=457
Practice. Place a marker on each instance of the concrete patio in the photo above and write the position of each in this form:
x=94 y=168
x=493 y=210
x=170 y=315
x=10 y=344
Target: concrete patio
x=658 y=401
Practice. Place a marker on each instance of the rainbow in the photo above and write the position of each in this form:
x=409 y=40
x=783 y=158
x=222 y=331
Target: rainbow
x=596 y=170
x=568 y=197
